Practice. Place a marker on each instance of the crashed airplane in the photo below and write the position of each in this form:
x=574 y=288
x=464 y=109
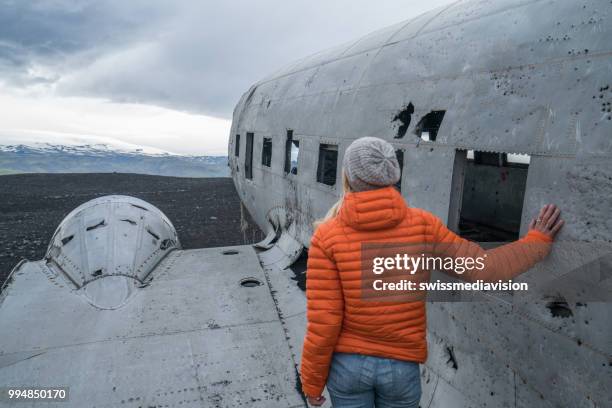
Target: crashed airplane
x=494 y=107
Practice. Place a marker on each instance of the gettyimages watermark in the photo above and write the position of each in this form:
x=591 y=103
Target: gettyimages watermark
x=400 y=272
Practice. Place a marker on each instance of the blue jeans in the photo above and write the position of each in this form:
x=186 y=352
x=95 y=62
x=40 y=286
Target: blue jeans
x=359 y=381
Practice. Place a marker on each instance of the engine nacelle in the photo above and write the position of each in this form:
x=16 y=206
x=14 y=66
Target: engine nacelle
x=108 y=246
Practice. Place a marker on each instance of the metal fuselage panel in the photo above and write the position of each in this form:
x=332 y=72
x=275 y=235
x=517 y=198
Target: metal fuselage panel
x=193 y=337
x=530 y=77
x=517 y=77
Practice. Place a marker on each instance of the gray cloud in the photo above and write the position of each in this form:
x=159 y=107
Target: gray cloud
x=197 y=56
x=57 y=36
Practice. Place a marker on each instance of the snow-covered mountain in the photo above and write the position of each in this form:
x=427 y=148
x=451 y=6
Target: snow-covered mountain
x=105 y=158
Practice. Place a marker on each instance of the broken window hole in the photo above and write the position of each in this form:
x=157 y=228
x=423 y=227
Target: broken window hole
x=67 y=239
x=404 y=116
x=250 y=282
x=154 y=235
x=237 y=146
x=487 y=195
x=428 y=126
x=97 y=272
x=98 y=225
x=230 y=252
x=129 y=221
x=328 y=162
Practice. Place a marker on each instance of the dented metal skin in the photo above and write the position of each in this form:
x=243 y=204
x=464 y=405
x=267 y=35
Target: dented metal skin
x=530 y=77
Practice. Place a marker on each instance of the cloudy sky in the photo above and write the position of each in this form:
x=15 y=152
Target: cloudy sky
x=157 y=73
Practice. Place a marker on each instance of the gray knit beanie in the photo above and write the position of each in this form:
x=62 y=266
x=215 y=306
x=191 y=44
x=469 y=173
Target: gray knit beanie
x=370 y=163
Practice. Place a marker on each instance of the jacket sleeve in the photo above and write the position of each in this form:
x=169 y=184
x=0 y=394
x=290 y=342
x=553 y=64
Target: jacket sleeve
x=504 y=262
x=325 y=311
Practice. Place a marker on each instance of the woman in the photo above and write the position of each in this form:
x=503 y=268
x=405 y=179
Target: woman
x=368 y=353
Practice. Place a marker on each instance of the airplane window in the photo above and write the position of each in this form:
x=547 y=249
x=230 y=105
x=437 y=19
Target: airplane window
x=237 y=146
x=400 y=159
x=428 y=126
x=295 y=151
x=328 y=162
x=248 y=157
x=493 y=188
x=266 y=151
x=292 y=150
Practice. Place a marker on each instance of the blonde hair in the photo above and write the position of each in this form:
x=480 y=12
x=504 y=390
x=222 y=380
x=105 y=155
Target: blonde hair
x=333 y=211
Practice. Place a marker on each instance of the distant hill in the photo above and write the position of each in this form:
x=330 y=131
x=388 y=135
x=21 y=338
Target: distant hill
x=101 y=158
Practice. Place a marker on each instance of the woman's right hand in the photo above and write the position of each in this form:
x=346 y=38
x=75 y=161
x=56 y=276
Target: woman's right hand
x=548 y=221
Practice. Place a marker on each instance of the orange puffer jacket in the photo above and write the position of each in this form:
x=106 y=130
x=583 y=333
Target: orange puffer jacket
x=340 y=320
